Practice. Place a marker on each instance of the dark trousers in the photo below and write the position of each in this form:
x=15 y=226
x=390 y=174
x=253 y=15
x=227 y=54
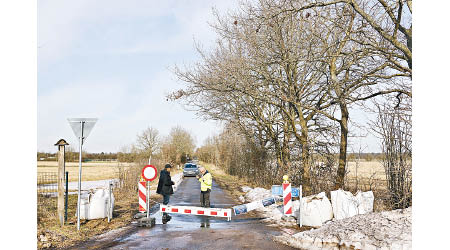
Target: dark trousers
x=204 y=198
x=166 y=199
x=165 y=202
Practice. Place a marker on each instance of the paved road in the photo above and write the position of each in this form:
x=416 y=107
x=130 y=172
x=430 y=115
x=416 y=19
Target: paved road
x=185 y=231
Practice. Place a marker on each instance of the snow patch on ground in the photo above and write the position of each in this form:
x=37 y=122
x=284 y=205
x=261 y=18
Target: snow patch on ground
x=177 y=178
x=274 y=212
x=246 y=189
x=383 y=230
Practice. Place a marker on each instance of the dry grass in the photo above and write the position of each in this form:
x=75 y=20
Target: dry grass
x=366 y=169
x=125 y=208
x=91 y=171
x=231 y=184
x=366 y=175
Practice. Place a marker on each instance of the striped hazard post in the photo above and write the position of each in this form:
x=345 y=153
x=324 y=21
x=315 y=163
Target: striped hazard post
x=142 y=196
x=287 y=199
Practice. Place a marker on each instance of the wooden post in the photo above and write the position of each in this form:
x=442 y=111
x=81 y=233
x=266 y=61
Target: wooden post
x=61 y=174
x=67 y=197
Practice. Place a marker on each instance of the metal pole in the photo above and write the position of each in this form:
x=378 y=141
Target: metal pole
x=110 y=200
x=110 y=203
x=67 y=196
x=148 y=199
x=79 y=178
x=300 y=206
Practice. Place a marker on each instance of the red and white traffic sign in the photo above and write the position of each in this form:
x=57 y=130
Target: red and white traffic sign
x=149 y=172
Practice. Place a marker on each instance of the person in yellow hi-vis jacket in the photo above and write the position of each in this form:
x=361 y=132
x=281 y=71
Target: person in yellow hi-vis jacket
x=205 y=187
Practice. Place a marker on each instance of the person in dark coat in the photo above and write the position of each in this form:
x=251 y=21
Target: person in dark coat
x=165 y=187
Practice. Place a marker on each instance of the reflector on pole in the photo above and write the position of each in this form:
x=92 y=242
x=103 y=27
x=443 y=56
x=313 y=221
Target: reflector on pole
x=81 y=128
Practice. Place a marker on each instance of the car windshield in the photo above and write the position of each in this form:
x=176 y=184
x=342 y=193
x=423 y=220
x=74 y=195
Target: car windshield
x=190 y=166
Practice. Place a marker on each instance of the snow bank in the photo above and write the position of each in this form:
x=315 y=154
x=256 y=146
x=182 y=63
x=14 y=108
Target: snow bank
x=273 y=213
x=245 y=189
x=384 y=230
x=257 y=194
x=364 y=230
x=177 y=178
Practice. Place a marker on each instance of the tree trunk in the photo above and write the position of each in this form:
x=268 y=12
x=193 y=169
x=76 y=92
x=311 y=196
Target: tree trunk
x=343 y=147
x=306 y=181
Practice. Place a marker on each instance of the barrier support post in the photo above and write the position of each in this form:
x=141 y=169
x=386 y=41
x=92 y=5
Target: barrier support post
x=109 y=202
x=299 y=219
x=148 y=199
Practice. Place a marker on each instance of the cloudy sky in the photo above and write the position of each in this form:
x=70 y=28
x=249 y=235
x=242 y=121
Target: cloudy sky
x=112 y=60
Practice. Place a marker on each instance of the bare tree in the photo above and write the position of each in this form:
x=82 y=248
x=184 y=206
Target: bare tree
x=261 y=78
x=394 y=127
x=284 y=73
x=386 y=26
x=357 y=71
x=177 y=144
x=148 y=142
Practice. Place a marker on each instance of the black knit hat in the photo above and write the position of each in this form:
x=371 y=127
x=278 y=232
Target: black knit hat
x=167 y=166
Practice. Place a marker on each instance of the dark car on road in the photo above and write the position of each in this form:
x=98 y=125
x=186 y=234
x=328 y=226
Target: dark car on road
x=190 y=169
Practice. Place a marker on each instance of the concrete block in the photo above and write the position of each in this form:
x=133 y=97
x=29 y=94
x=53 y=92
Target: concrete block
x=146 y=222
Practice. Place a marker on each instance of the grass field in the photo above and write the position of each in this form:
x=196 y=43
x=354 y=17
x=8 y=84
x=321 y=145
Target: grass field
x=366 y=169
x=91 y=171
x=366 y=175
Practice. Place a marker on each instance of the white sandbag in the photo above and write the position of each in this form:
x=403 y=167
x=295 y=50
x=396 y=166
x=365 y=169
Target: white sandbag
x=84 y=208
x=344 y=204
x=97 y=206
x=365 y=202
x=316 y=209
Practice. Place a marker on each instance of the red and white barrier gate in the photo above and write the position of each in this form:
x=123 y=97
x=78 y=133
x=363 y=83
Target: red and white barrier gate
x=142 y=196
x=217 y=212
x=287 y=199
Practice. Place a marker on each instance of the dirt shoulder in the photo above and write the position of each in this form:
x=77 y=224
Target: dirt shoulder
x=52 y=236
x=231 y=184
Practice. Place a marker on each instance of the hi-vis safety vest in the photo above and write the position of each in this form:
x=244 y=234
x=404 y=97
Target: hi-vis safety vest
x=206 y=182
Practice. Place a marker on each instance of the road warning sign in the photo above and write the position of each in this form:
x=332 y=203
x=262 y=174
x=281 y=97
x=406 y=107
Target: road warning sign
x=149 y=172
